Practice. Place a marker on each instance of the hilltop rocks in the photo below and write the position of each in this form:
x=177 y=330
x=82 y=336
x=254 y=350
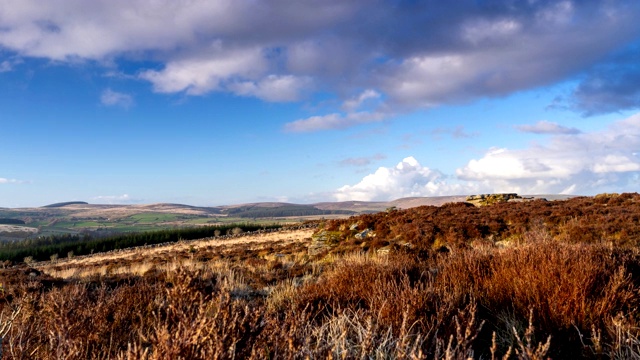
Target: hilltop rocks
x=489 y=199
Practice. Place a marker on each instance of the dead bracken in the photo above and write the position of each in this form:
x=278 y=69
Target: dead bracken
x=424 y=283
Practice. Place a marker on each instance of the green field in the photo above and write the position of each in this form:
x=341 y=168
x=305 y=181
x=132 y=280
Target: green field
x=104 y=221
x=156 y=217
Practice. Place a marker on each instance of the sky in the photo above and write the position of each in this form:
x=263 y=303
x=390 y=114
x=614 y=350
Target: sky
x=212 y=102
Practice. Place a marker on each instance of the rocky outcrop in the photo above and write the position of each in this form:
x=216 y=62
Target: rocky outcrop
x=323 y=240
x=489 y=199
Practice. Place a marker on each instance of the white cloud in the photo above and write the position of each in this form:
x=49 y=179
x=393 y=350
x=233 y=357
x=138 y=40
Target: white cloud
x=279 y=50
x=9 y=65
x=10 y=181
x=408 y=178
x=5 y=66
x=334 y=121
x=114 y=98
x=353 y=104
x=197 y=76
x=274 y=88
x=547 y=127
x=115 y=199
x=582 y=162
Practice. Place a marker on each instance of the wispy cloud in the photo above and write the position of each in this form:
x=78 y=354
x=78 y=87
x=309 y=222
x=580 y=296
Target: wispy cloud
x=115 y=199
x=334 y=121
x=547 y=127
x=361 y=161
x=114 y=98
x=273 y=88
x=5 y=66
x=9 y=65
x=12 y=181
x=355 y=103
x=457 y=132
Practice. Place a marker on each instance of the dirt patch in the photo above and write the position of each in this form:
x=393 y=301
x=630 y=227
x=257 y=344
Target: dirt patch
x=17 y=229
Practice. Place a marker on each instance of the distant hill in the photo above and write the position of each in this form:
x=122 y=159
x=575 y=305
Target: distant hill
x=62 y=204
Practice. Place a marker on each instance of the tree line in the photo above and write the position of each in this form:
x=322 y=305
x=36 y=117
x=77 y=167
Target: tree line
x=42 y=248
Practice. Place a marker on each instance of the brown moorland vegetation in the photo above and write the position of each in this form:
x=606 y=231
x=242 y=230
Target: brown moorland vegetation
x=530 y=280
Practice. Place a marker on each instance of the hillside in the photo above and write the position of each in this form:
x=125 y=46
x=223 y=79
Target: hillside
x=63 y=204
x=105 y=220
x=99 y=220
x=513 y=280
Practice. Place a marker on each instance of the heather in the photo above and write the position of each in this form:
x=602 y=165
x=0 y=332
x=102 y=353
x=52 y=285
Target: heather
x=526 y=280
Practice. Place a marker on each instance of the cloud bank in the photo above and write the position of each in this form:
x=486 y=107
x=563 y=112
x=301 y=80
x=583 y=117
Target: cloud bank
x=406 y=55
x=569 y=163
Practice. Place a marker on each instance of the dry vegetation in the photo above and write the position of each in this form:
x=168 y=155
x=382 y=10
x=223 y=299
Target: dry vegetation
x=531 y=280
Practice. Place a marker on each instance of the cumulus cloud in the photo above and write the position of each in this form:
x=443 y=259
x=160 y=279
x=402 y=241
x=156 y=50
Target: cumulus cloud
x=575 y=163
x=280 y=51
x=547 y=127
x=114 y=98
x=583 y=162
x=408 y=178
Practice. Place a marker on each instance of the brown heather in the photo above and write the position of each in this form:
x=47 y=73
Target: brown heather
x=532 y=280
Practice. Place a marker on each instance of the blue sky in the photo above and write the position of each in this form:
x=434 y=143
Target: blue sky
x=219 y=102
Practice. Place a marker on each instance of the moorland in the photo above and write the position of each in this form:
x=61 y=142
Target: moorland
x=511 y=280
x=96 y=220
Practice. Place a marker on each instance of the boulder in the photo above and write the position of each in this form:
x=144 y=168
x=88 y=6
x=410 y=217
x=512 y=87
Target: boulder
x=323 y=240
x=365 y=234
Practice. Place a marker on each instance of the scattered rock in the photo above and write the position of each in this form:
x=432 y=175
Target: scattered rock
x=365 y=234
x=323 y=240
x=489 y=199
x=384 y=250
